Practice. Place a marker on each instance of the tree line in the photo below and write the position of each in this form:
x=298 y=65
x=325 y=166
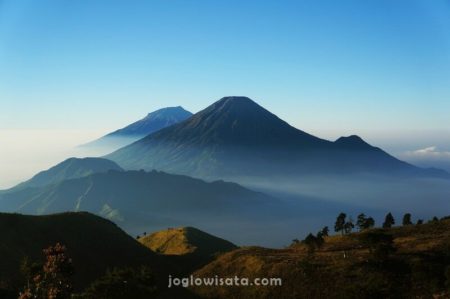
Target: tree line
x=345 y=225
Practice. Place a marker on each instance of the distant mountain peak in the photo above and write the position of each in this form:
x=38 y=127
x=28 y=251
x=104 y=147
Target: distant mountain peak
x=352 y=141
x=236 y=102
x=168 y=111
x=230 y=100
x=69 y=169
x=237 y=137
x=152 y=122
x=235 y=121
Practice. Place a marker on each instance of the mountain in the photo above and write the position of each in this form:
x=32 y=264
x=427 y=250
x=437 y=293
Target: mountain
x=402 y=262
x=235 y=137
x=94 y=244
x=153 y=122
x=69 y=169
x=185 y=241
x=139 y=200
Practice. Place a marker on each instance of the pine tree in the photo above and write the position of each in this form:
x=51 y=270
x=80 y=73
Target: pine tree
x=349 y=226
x=388 y=221
x=340 y=223
x=325 y=231
x=361 y=222
x=370 y=222
x=407 y=219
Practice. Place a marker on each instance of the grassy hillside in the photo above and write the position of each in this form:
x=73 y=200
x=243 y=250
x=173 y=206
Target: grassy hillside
x=188 y=247
x=185 y=240
x=359 y=265
x=93 y=243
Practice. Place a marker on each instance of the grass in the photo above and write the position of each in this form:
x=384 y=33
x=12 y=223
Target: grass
x=415 y=269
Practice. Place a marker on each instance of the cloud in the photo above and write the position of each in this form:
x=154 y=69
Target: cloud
x=23 y=153
x=429 y=152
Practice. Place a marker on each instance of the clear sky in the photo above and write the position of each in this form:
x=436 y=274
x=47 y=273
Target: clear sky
x=371 y=67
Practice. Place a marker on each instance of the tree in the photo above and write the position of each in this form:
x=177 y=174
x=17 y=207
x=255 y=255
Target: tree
x=419 y=221
x=349 y=226
x=364 y=222
x=313 y=242
x=340 y=223
x=388 y=221
x=325 y=231
x=407 y=219
x=53 y=280
x=370 y=222
x=295 y=242
x=361 y=222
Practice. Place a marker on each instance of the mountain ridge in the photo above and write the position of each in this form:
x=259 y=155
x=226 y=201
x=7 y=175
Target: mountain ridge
x=237 y=137
x=68 y=169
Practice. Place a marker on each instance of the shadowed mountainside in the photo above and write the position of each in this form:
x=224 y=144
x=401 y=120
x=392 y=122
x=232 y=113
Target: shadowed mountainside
x=71 y=168
x=95 y=244
x=139 y=200
x=236 y=137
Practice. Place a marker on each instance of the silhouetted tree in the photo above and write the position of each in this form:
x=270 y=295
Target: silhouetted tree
x=370 y=222
x=388 y=221
x=420 y=221
x=319 y=239
x=339 y=226
x=407 y=219
x=349 y=226
x=53 y=281
x=325 y=231
x=313 y=242
x=361 y=221
x=310 y=242
x=364 y=222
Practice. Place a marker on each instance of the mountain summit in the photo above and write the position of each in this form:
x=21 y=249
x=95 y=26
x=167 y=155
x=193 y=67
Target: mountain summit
x=237 y=137
x=153 y=122
x=237 y=122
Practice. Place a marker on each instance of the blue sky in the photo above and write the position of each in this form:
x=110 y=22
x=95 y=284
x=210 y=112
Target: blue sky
x=318 y=64
x=380 y=69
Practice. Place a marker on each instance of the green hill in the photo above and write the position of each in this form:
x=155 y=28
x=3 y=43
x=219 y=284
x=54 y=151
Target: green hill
x=95 y=244
x=403 y=262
